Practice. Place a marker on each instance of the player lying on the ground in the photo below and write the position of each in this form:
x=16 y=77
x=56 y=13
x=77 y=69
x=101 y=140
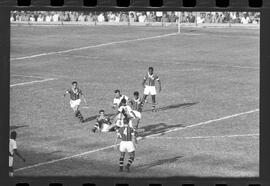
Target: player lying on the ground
x=127 y=144
x=136 y=106
x=13 y=150
x=75 y=101
x=124 y=111
x=149 y=87
x=103 y=123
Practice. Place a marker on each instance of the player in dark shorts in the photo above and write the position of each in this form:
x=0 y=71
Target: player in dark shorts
x=127 y=144
x=75 y=99
x=149 y=86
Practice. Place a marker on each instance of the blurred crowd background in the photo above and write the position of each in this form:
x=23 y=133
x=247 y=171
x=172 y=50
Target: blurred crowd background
x=142 y=17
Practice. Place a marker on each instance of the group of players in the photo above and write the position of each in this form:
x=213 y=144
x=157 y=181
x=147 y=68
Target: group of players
x=127 y=117
x=125 y=121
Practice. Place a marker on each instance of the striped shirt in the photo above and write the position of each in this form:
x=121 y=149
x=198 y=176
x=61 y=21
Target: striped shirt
x=150 y=79
x=126 y=133
x=136 y=104
x=74 y=94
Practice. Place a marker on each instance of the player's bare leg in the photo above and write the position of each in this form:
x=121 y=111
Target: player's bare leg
x=78 y=113
x=154 y=103
x=11 y=172
x=130 y=160
x=143 y=100
x=121 y=161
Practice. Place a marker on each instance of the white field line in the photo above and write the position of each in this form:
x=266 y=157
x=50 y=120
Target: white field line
x=139 y=138
x=31 y=82
x=206 y=137
x=30 y=76
x=92 y=46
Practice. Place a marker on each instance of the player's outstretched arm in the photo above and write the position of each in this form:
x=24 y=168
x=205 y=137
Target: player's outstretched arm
x=143 y=82
x=159 y=82
x=18 y=154
x=84 y=99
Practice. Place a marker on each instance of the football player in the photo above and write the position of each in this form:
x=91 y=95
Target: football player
x=149 y=86
x=75 y=99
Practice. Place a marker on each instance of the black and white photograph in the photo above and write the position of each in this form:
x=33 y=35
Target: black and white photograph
x=134 y=94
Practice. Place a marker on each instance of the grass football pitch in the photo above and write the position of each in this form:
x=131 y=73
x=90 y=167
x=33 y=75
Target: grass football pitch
x=208 y=119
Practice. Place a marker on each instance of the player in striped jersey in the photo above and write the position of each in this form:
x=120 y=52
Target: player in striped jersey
x=136 y=106
x=75 y=101
x=127 y=144
x=149 y=86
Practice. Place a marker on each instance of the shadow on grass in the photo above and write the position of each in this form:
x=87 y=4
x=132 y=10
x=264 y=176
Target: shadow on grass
x=91 y=118
x=158 y=162
x=174 y=106
x=159 y=128
x=14 y=127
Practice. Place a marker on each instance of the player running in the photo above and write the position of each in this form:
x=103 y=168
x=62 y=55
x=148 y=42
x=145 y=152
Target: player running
x=149 y=87
x=13 y=150
x=136 y=106
x=127 y=144
x=75 y=101
x=103 y=123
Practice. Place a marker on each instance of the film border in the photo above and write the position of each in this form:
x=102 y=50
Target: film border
x=105 y=5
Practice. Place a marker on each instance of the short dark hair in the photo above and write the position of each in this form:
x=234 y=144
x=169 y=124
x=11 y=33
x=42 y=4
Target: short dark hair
x=136 y=93
x=74 y=82
x=150 y=68
x=101 y=111
x=126 y=120
x=13 y=135
x=117 y=91
x=123 y=100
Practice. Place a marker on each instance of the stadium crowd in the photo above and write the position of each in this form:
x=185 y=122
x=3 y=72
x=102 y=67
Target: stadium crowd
x=142 y=17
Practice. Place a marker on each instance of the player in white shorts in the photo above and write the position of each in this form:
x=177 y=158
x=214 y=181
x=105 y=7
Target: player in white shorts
x=13 y=150
x=75 y=101
x=117 y=103
x=149 y=87
x=127 y=144
x=124 y=111
x=103 y=123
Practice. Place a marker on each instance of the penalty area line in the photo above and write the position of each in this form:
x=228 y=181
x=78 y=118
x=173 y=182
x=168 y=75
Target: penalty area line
x=139 y=138
x=32 y=82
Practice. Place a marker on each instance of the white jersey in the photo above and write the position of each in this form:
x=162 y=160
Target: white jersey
x=117 y=101
x=127 y=109
x=12 y=146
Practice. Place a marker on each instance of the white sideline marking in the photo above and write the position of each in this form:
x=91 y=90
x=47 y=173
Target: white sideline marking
x=206 y=137
x=30 y=76
x=92 y=46
x=139 y=138
x=31 y=82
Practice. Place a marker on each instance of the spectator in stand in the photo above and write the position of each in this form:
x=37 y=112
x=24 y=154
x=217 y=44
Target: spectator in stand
x=48 y=17
x=159 y=16
x=101 y=18
x=55 y=17
x=245 y=19
x=142 y=18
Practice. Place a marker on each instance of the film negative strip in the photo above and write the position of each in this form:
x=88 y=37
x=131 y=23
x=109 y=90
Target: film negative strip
x=134 y=92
